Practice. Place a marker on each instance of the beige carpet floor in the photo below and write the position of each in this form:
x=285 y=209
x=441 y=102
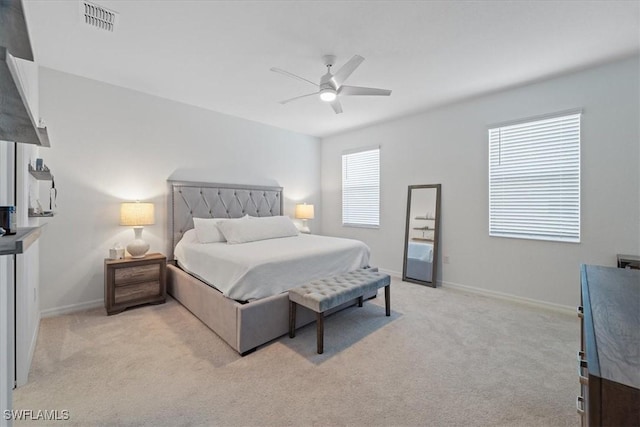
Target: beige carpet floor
x=443 y=358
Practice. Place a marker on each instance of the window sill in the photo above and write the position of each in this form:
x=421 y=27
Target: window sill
x=361 y=226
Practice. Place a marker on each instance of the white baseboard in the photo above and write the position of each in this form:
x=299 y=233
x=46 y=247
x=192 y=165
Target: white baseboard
x=509 y=297
x=50 y=312
x=494 y=294
x=391 y=273
x=471 y=289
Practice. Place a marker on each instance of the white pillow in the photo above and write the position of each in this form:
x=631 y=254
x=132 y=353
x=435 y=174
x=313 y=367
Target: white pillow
x=251 y=229
x=207 y=229
x=190 y=236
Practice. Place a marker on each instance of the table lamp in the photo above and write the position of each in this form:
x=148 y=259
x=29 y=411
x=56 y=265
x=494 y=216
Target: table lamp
x=304 y=212
x=137 y=214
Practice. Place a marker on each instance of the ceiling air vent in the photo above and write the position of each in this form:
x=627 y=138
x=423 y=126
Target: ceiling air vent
x=97 y=16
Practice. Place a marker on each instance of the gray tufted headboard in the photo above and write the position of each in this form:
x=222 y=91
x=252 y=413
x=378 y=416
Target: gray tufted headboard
x=205 y=200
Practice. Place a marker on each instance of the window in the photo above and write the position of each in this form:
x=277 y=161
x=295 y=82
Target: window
x=361 y=188
x=534 y=179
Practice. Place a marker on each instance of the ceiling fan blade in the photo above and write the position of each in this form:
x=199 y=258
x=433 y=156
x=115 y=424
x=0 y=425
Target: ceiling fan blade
x=297 y=97
x=358 y=90
x=343 y=73
x=336 y=106
x=293 y=76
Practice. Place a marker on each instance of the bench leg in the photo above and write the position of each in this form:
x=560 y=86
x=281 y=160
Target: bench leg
x=320 y=327
x=387 y=299
x=359 y=301
x=292 y=319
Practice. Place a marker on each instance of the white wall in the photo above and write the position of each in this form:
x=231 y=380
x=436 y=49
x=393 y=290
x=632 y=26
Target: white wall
x=111 y=144
x=448 y=145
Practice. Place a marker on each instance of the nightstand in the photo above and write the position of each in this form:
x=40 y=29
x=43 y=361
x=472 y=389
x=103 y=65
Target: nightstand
x=134 y=281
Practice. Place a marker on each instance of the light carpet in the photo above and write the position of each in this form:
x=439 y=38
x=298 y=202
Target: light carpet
x=443 y=358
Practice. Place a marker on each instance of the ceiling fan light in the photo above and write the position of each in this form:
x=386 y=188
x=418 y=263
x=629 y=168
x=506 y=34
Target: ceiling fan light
x=328 y=95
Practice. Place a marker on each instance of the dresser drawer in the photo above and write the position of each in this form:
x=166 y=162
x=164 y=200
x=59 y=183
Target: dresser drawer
x=140 y=273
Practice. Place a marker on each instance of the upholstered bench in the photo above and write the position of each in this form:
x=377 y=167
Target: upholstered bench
x=324 y=294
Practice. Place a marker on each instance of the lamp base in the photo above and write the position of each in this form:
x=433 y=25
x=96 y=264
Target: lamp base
x=138 y=248
x=304 y=228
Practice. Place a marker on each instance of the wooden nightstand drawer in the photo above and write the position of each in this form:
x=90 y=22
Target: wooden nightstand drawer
x=134 y=281
x=136 y=292
x=141 y=273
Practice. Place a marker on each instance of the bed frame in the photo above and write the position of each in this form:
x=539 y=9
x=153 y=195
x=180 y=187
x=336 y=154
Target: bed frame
x=244 y=326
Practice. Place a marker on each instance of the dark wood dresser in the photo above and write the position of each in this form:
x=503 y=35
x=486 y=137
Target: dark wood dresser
x=609 y=359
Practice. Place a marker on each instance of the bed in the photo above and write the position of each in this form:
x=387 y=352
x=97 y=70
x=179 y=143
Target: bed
x=233 y=309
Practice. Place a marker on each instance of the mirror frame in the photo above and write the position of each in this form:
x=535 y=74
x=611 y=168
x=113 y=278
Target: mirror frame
x=436 y=237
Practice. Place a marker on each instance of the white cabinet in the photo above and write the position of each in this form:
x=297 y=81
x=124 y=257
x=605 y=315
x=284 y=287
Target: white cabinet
x=19 y=123
x=27 y=310
x=27 y=79
x=19 y=104
x=6 y=335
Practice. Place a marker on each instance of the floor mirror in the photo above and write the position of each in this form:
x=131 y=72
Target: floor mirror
x=422 y=235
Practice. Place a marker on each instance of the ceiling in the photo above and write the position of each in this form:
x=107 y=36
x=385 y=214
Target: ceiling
x=218 y=54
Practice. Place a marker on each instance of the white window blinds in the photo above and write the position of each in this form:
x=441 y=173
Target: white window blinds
x=361 y=188
x=534 y=179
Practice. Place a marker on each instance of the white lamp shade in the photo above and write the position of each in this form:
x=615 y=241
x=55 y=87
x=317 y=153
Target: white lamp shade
x=304 y=211
x=136 y=214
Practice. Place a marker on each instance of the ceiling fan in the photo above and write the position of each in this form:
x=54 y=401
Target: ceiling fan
x=331 y=85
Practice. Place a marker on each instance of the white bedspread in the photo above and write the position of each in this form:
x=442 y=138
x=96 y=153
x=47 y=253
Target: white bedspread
x=259 y=269
x=420 y=251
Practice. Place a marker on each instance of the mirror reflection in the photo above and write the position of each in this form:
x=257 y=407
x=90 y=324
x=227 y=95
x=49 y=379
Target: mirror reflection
x=421 y=236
